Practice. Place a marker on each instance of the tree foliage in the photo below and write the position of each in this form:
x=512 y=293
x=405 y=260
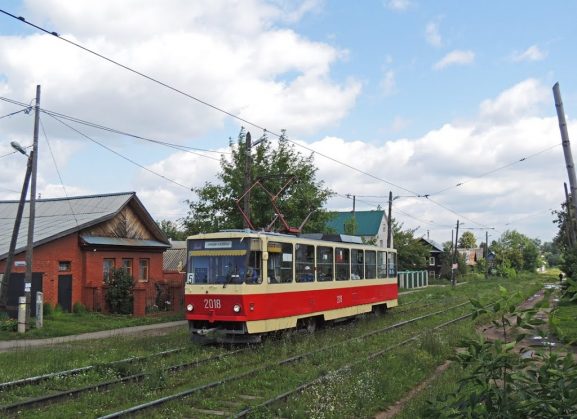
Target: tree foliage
x=171 y=229
x=412 y=253
x=499 y=383
x=467 y=240
x=564 y=242
x=215 y=207
x=515 y=252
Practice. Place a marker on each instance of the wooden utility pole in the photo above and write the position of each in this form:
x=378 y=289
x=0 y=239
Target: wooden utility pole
x=390 y=220
x=30 y=244
x=247 y=178
x=14 y=239
x=566 y=148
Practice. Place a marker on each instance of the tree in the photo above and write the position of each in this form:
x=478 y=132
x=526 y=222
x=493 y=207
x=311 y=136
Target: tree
x=467 y=240
x=215 y=208
x=412 y=253
x=515 y=251
x=564 y=242
x=171 y=229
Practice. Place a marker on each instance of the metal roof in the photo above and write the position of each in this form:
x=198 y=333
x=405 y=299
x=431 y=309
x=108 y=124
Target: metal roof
x=368 y=222
x=59 y=217
x=117 y=241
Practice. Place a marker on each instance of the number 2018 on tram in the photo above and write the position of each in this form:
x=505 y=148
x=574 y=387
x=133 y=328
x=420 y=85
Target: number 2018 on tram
x=243 y=284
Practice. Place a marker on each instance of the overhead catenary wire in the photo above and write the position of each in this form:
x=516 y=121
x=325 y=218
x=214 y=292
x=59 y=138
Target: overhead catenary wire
x=237 y=117
x=190 y=96
x=490 y=172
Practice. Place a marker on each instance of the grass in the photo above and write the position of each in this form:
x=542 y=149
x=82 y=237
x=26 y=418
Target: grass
x=359 y=392
x=564 y=321
x=64 y=324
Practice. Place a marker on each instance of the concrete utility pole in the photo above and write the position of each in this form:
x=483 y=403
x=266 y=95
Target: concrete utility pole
x=570 y=221
x=453 y=282
x=247 y=178
x=14 y=239
x=30 y=244
x=390 y=220
x=566 y=147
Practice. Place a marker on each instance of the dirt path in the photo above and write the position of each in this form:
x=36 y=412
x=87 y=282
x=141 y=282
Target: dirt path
x=491 y=332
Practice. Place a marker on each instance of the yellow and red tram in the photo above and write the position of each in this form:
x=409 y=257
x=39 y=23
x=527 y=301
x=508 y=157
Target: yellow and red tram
x=242 y=284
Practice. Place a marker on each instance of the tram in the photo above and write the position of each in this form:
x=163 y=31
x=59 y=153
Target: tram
x=243 y=284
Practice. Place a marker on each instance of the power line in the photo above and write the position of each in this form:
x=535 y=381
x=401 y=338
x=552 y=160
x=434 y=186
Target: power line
x=121 y=155
x=26 y=111
x=190 y=96
x=117 y=131
x=58 y=171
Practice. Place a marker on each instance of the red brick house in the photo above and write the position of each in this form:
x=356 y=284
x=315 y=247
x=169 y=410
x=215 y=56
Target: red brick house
x=77 y=241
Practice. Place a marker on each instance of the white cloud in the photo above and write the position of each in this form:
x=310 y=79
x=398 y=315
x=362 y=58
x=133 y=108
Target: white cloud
x=456 y=57
x=519 y=101
x=533 y=53
x=496 y=188
x=398 y=5
x=236 y=56
x=432 y=34
x=388 y=83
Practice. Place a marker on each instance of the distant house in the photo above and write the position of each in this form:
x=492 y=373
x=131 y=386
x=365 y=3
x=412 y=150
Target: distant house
x=77 y=242
x=471 y=256
x=371 y=225
x=434 y=262
x=174 y=258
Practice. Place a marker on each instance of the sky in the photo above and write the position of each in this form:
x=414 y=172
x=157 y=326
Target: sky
x=446 y=104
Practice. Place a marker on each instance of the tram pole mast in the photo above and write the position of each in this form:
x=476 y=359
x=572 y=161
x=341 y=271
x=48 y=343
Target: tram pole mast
x=453 y=281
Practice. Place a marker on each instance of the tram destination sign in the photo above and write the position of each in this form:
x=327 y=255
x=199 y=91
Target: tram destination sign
x=226 y=244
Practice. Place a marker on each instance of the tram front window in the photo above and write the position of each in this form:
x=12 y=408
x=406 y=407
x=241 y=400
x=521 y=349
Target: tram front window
x=225 y=269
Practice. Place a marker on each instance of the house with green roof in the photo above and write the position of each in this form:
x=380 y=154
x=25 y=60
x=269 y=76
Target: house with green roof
x=371 y=226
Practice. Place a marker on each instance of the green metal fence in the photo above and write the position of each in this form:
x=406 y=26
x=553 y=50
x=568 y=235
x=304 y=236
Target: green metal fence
x=413 y=279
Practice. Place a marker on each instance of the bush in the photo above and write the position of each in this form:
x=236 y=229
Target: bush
x=47 y=310
x=79 y=308
x=7 y=324
x=119 y=294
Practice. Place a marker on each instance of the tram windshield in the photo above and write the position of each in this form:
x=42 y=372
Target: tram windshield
x=224 y=262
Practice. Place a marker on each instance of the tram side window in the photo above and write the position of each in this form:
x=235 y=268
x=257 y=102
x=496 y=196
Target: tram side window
x=381 y=264
x=280 y=263
x=324 y=263
x=342 y=264
x=392 y=265
x=370 y=264
x=305 y=263
x=357 y=264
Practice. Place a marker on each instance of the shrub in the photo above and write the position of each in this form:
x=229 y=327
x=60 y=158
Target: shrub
x=119 y=294
x=47 y=309
x=79 y=308
x=8 y=325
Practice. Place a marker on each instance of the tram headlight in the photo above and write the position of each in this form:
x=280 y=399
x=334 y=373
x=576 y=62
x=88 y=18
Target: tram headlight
x=190 y=307
x=236 y=308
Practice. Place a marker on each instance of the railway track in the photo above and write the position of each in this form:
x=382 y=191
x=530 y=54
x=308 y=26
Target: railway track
x=60 y=396
x=266 y=370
